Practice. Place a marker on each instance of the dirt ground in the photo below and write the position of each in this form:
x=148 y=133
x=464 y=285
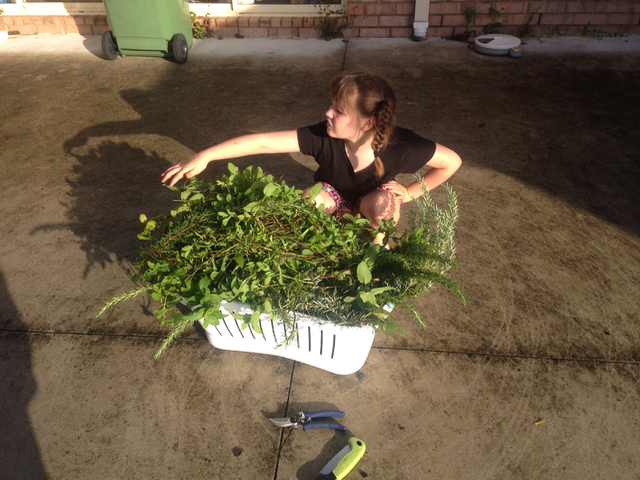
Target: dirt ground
x=548 y=247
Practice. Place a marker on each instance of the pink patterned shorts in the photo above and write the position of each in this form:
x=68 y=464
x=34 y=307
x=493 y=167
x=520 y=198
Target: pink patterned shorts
x=344 y=206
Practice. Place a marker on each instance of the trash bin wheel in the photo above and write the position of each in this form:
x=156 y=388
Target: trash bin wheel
x=180 y=48
x=109 y=47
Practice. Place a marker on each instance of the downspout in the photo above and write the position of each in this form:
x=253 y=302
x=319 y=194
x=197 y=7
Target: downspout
x=421 y=20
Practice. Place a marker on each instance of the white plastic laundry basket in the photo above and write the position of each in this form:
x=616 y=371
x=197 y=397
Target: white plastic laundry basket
x=337 y=349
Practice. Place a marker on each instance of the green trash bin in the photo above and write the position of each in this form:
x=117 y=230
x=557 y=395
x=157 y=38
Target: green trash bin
x=148 y=28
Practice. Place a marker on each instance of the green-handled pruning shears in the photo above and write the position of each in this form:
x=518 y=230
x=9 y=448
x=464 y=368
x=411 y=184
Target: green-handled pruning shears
x=340 y=465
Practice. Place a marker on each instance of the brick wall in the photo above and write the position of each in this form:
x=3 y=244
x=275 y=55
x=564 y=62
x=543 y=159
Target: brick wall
x=376 y=18
x=56 y=25
x=538 y=18
x=393 y=18
x=397 y=23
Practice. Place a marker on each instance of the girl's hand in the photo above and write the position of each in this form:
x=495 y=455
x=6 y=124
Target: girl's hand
x=187 y=170
x=398 y=190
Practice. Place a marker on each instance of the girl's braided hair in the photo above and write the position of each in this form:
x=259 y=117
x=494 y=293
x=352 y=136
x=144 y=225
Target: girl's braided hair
x=371 y=96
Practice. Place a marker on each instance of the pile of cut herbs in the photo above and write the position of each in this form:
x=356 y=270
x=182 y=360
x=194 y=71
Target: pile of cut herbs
x=251 y=238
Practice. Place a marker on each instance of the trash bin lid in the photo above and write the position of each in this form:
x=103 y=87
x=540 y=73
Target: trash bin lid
x=496 y=43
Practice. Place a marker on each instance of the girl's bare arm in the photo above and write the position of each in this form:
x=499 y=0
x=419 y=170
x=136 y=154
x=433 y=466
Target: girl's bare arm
x=274 y=142
x=444 y=163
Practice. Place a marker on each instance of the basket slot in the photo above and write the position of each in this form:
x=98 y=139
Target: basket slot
x=239 y=329
x=321 y=340
x=295 y=325
x=251 y=332
x=217 y=330
x=309 y=337
x=225 y=324
x=333 y=349
x=262 y=330
x=273 y=329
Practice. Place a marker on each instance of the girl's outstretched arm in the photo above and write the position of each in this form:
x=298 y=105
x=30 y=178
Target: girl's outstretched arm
x=274 y=142
x=444 y=163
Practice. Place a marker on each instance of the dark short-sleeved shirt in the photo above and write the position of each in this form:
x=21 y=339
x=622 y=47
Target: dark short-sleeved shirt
x=406 y=153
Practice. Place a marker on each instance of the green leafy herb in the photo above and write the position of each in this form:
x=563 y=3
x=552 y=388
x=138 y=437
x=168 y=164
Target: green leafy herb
x=254 y=239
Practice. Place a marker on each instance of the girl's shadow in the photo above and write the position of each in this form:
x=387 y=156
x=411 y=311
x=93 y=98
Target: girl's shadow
x=110 y=186
x=19 y=452
x=114 y=182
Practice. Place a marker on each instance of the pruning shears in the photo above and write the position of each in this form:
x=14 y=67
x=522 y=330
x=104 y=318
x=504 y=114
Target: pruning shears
x=308 y=420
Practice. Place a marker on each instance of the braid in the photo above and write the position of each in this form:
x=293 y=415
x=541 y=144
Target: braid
x=384 y=122
x=383 y=126
x=379 y=166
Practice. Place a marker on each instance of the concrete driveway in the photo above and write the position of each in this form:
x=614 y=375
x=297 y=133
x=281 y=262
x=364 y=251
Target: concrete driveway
x=538 y=377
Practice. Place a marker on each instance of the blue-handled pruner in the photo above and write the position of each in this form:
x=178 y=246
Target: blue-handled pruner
x=307 y=420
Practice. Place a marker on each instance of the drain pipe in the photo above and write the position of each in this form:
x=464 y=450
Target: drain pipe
x=421 y=21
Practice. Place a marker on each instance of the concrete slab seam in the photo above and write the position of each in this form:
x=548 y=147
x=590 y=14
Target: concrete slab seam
x=519 y=357
x=415 y=350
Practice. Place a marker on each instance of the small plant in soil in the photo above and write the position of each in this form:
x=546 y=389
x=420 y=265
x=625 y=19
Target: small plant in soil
x=470 y=14
x=494 y=26
x=525 y=30
x=333 y=20
x=252 y=238
x=198 y=29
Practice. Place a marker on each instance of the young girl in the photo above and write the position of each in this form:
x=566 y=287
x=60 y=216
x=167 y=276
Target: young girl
x=358 y=148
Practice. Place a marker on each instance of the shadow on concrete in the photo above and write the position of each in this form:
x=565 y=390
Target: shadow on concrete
x=19 y=452
x=571 y=133
x=93 y=44
x=162 y=111
x=565 y=124
x=110 y=187
x=114 y=182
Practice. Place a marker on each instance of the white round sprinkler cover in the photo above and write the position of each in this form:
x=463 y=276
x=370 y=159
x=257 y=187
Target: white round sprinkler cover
x=496 y=44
